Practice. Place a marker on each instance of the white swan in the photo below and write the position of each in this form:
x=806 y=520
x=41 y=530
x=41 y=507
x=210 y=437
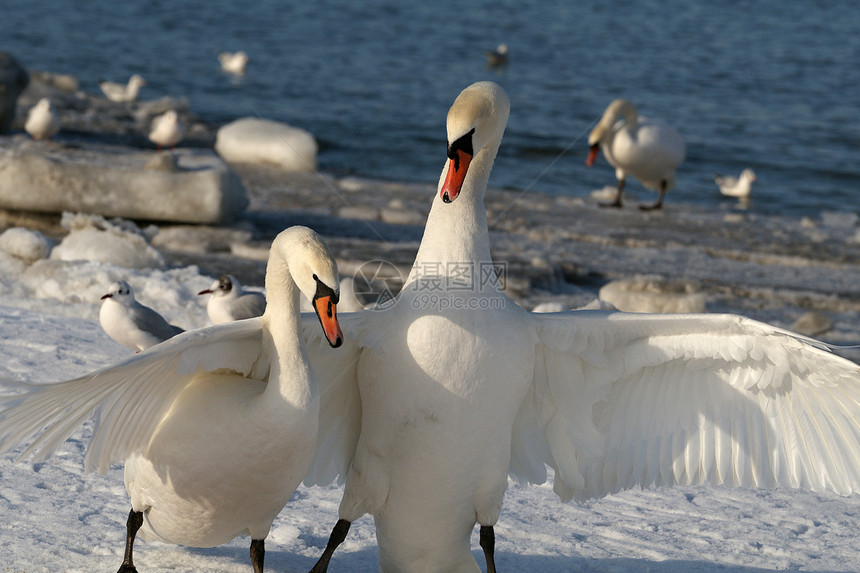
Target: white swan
x=233 y=63
x=41 y=120
x=458 y=387
x=229 y=301
x=430 y=403
x=217 y=426
x=740 y=187
x=648 y=150
x=167 y=130
x=130 y=323
x=123 y=92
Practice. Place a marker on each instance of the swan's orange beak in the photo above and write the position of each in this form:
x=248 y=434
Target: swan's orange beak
x=457 y=168
x=326 y=310
x=592 y=154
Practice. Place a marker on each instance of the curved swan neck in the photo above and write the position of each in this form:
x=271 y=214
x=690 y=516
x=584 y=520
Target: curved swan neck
x=457 y=232
x=618 y=108
x=283 y=338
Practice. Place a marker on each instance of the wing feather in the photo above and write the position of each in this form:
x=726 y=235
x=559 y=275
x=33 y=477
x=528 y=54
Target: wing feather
x=127 y=400
x=335 y=370
x=626 y=400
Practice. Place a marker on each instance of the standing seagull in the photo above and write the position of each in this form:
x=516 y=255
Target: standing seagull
x=448 y=390
x=740 y=187
x=648 y=150
x=123 y=92
x=230 y=302
x=131 y=323
x=217 y=426
x=167 y=130
x=41 y=120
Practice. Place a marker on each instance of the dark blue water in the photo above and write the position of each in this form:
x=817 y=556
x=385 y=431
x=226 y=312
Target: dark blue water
x=766 y=84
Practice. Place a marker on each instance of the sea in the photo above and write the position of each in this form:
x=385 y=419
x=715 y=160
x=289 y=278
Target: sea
x=764 y=84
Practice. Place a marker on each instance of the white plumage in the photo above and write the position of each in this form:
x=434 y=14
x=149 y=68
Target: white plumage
x=130 y=323
x=41 y=120
x=459 y=388
x=217 y=426
x=233 y=63
x=123 y=92
x=229 y=301
x=740 y=187
x=648 y=150
x=431 y=403
x=167 y=130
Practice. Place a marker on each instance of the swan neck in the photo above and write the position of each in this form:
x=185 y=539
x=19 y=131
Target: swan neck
x=623 y=108
x=456 y=233
x=283 y=338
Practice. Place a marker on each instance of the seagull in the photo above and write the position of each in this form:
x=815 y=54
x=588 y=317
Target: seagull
x=739 y=187
x=233 y=63
x=498 y=57
x=648 y=150
x=131 y=323
x=41 y=120
x=122 y=93
x=167 y=130
x=230 y=302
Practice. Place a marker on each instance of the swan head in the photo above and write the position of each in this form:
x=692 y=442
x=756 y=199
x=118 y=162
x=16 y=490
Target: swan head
x=476 y=120
x=606 y=124
x=223 y=286
x=314 y=271
x=136 y=80
x=120 y=292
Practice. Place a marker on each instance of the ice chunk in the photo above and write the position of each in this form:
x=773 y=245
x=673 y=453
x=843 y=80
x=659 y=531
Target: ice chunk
x=92 y=238
x=549 y=306
x=193 y=186
x=645 y=294
x=254 y=140
x=24 y=244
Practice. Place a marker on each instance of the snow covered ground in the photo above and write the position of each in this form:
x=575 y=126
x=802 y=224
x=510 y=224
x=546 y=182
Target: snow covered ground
x=55 y=518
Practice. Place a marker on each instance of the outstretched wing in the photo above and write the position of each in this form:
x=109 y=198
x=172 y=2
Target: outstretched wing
x=128 y=400
x=622 y=400
x=335 y=370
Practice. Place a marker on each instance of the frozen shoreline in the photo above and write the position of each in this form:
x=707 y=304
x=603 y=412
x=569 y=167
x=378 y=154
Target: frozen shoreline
x=555 y=249
x=558 y=250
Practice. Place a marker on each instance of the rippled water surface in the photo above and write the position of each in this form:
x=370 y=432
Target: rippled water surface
x=769 y=85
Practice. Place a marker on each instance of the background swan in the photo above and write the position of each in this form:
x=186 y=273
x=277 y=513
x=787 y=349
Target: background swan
x=229 y=301
x=648 y=150
x=452 y=398
x=740 y=187
x=217 y=426
x=131 y=323
x=123 y=92
x=41 y=120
